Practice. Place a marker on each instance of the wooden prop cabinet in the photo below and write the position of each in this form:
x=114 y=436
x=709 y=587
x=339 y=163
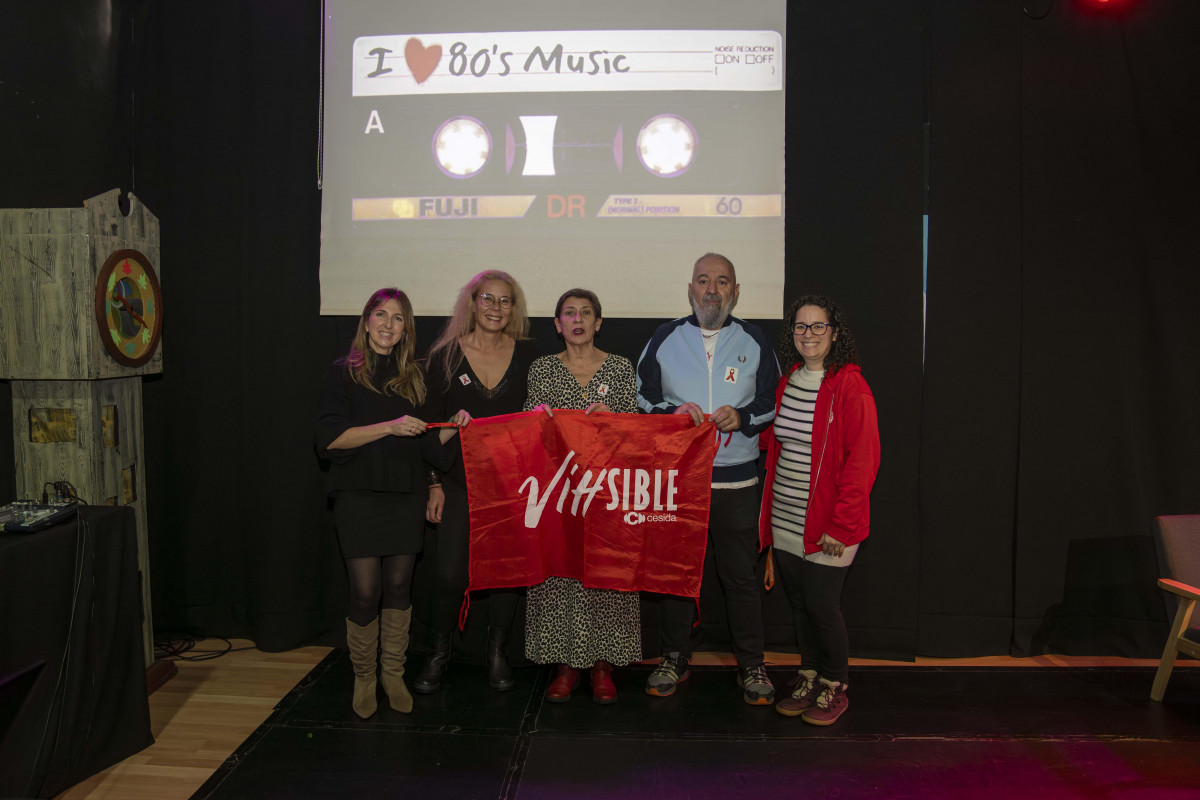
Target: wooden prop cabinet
x=81 y=319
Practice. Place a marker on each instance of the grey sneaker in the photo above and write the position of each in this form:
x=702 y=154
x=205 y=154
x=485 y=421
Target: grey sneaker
x=803 y=695
x=757 y=689
x=670 y=672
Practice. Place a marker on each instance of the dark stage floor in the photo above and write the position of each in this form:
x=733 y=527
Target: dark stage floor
x=911 y=732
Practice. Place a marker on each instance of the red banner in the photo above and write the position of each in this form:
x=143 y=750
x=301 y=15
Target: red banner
x=617 y=501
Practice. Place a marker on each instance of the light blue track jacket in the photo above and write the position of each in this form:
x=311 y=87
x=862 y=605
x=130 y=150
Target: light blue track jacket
x=674 y=369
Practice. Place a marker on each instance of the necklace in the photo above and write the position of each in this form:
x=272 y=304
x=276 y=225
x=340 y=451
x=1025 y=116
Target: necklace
x=709 y=335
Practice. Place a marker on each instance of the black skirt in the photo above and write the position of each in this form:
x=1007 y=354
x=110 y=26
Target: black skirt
x=379 y=523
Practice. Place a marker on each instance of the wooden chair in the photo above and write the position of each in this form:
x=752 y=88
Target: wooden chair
x=1178 y=540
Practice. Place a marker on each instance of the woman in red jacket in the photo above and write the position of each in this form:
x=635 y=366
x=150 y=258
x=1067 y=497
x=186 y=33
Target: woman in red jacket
x=822 y=456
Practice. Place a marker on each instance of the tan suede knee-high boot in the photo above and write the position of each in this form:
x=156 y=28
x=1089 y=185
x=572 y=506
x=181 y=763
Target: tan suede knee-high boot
x=363 y=641
x=394 y=652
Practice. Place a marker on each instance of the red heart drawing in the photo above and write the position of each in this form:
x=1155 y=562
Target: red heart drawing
x=422 y=60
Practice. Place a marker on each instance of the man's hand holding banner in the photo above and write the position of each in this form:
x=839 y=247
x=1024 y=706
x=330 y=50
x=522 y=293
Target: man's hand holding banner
x=617 y=501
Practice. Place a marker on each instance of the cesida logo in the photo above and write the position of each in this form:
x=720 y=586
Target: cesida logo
x=635 y=518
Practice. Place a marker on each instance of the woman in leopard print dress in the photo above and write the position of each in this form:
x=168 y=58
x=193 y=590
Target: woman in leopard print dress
x=566 y=624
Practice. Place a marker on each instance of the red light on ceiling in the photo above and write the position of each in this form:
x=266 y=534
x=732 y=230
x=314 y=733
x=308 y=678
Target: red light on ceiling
x=1099 y=10
x=1105 y=6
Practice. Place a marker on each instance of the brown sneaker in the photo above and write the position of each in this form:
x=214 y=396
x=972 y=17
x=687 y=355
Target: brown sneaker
x=804 y=692
x=830 y=704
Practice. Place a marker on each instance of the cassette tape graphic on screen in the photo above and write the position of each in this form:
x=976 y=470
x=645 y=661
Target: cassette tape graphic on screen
x=593 y=137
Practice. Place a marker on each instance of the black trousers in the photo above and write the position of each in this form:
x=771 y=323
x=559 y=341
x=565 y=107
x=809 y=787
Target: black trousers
x=450 y=569
x=814 y=592
x=733 y=539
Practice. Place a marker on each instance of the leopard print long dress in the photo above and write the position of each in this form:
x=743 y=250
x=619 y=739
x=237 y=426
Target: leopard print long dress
x=564 y=622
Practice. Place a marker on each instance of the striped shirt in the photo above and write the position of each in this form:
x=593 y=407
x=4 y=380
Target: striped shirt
x=793 y=472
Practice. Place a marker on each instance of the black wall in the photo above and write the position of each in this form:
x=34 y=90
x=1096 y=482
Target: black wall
x=1022 y=462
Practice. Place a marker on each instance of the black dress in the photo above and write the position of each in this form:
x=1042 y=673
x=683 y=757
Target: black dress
x=464 y=390
x=379 y=489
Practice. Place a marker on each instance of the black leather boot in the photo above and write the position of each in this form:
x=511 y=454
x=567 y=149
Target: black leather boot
x=499 y=675
x=435 y=667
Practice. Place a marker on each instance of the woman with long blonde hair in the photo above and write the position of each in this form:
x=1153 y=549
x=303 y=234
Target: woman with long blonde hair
x=479 y=364
x=369 y=426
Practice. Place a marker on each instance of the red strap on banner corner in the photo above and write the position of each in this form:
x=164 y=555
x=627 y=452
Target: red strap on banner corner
x=462 y=611
x=728 y=436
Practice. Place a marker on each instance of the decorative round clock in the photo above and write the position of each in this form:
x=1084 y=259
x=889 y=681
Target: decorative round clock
x=129 y=310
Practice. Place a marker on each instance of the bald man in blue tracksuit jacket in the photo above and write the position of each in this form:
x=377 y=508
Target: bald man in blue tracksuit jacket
x=713 y=363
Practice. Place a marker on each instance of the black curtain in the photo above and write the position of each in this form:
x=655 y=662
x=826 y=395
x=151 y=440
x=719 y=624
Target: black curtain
x=1060 y=385
x=854 y=232
x=242 y=543
x=1021 y=462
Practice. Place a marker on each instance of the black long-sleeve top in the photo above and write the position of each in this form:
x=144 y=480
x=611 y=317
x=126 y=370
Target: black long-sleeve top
x=389 y=464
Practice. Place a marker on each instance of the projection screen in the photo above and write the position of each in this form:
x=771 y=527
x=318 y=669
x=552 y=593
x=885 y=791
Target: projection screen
x=601 y=145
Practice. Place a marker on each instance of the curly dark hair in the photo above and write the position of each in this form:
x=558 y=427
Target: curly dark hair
x=842 y=352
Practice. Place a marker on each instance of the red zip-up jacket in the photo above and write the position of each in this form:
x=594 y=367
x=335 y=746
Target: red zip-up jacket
x=845 y=460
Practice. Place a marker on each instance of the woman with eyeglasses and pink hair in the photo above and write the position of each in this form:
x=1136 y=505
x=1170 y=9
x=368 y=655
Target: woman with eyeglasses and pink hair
x=478 y=366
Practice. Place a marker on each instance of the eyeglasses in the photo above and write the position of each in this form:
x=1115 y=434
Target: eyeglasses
x=817 y=328
x=489 y=300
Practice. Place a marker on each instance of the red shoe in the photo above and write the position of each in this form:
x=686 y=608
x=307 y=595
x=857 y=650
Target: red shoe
x=565 y=681
x=603 y=690
x=803 y=696
x=830 y=704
